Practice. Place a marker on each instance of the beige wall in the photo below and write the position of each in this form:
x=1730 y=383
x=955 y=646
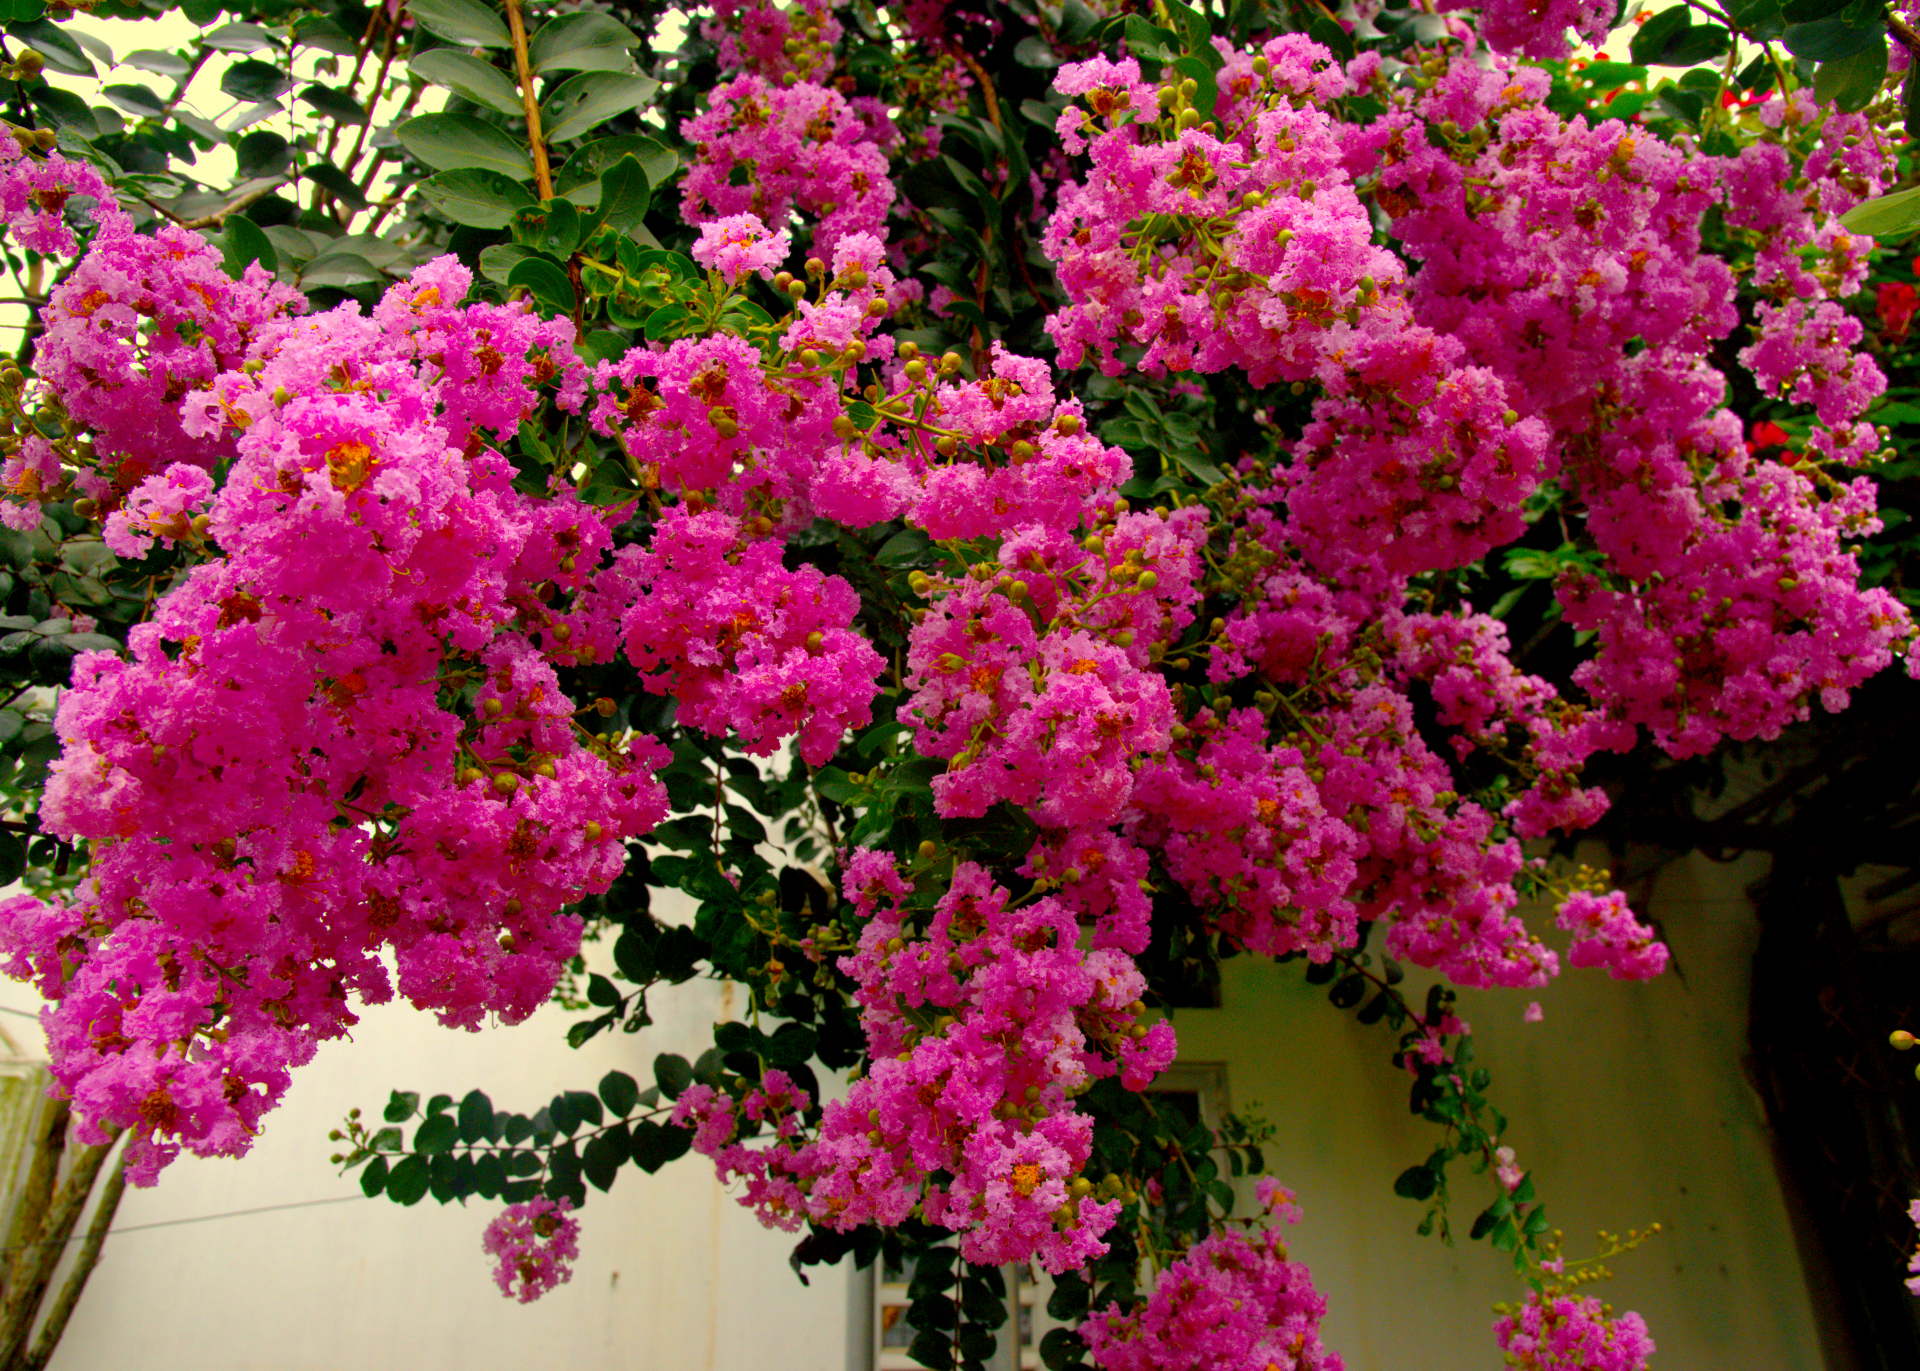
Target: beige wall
x=1630 y=1104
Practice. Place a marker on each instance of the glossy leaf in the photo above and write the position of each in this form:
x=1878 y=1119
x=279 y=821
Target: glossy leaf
x=466 y=23
x=242 y=243
x=585 y=101
x=469 y=77
x=452 y=142
x=582 y=42
x=477 y=198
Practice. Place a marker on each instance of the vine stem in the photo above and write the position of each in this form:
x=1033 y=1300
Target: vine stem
x=523 y=68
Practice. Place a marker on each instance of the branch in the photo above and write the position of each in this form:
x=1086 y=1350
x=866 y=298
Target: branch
x=1901 y=29
x=219 y=216
x=84 y=1262
x=536 y=143
x=32 y=1267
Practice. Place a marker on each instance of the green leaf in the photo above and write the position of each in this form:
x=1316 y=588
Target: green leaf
x=653 y=1145
x=625 y=194
x=476 y=1117
x=1700 y=43
x=591 y=98
x=67 y=112
x=333 y=104
x=1823 y=40
x=621 y=1093
x=138 y=101
x=57 y=47
x=1889 y=216
x=1416 y=1183
x=672 y=1074
x=470 y=77
x=1612 y=75
x=260 y=154
x=1652 y=37
x=476 y=197
x=339 y=270
x=585 y=1107
x=318 y=31
x=552 y=227
x=22 y=9
x=401 y=1105
x=466 y=23
x=238 y=38
x=451 y=142
x=437 y=1134
x=337 y=182
x=497 y=262
x=545 y=281
x=1851 y=81
x=255 y=81
x=242 y=243
x=592 y=160
x=603 y=1156
x=158 y=62
x=407 y=1182
x=374 y=1179
x=582 y=42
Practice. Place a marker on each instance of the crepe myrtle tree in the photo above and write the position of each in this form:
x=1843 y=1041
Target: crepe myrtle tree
x=1005 y=506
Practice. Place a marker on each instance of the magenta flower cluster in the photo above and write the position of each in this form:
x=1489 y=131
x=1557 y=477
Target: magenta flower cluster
x=534 y=1246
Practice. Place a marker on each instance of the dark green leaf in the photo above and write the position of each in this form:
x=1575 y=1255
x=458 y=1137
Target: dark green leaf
x=260 y=154
x=467 y=23
x=672 y=1073
x=238 y=38
x=255 y=81
x=67 y=112
x=603 y=1157
x=374 y=1178
x=475 y=1118
x=62 y=54
x=335 y=105
x=407 y=1182
x=1416 y=1183
x=242 y=243
x=1850 y=82
x=624 y=194
x=654 y=1145
x=547 y=283
x=318 y=31
x=401 y=1106
x=336 y=182
x=437 y=1134
x=620 y=1092
x=1823 y=40
x=138 y=101
x=589 y=99
x=1653 y=36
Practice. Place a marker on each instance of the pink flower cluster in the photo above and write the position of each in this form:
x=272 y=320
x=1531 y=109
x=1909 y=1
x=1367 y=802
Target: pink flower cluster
x=743 y=643
x=407 y=780
x=1552 y=1331
x=983 y=1026
x=777 y=1199
x=1567 y=259
x=1607 y=933
x=535 y=1244
x=1232 y=1302
x=801 y=147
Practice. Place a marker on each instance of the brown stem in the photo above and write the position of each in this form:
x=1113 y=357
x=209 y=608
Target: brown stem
x=373 y=99
x=84 y=1262
x=219 y=216
x=1905 y=32
x=523 y=68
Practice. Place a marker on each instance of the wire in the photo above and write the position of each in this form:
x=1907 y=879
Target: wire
x=208 y=1218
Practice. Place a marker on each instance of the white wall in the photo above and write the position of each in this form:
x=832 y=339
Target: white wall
x=672 y=1273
